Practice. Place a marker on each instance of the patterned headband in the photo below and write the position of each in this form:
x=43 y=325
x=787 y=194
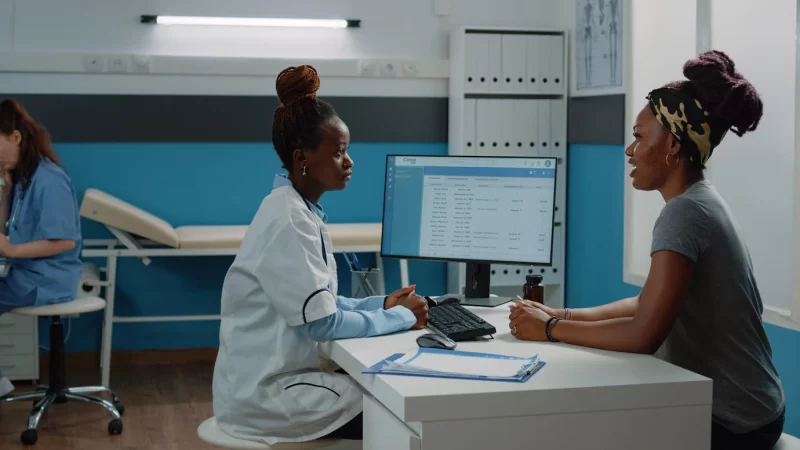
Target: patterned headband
x=686 y=119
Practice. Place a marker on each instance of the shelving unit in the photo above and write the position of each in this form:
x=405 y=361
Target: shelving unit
x=508 y=97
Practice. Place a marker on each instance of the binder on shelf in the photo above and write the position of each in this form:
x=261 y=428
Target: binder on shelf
x=534 y=63
x=470 y=119
x=505 y=126
x=520 y=128
x=558 y=128
x=495 y=62
x=439 y=363
x=543 y=119
x=514 y=63
x=477 y=56
x=555 y=63
x=483 y=127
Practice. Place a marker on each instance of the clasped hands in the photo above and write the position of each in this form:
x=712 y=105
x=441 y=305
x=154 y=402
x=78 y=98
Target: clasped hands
x=528 y=320
x=408 y=298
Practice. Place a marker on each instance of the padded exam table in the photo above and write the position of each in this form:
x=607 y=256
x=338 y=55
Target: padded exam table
x=142 y=235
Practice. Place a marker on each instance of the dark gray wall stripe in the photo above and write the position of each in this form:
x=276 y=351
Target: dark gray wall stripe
x=180 y=118
x=597 y=120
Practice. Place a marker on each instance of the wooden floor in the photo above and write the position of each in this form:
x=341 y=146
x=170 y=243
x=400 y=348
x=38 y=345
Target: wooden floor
x=164 y=404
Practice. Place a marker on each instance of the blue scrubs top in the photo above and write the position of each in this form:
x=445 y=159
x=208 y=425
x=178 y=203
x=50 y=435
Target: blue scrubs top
x=47 y=210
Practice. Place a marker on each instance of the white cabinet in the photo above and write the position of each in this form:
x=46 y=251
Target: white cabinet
x=19 y=347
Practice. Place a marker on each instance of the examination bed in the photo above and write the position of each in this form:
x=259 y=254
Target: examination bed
x=143 y=235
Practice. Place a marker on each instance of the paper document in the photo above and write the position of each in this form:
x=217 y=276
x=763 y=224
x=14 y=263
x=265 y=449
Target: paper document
x=461 y=364
x=428 y=362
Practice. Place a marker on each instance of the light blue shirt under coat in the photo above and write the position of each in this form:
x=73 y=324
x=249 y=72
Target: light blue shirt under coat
x=354 y=317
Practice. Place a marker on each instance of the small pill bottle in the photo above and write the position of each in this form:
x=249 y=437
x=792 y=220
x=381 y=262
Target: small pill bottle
x=533 y=289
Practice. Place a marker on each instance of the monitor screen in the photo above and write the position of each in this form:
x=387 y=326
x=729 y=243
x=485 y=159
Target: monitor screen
x=469 y=209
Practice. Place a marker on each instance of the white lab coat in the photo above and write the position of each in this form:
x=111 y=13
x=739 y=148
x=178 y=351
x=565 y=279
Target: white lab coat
x=268 y=384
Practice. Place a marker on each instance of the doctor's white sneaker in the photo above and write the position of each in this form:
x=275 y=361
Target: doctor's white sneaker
x=5 y=387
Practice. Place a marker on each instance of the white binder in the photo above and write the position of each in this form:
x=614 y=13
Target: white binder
x=543 y=120
x=515 y=59
x=477 y=63
x=521 y=128
x=495 y=62
x=505 y=118
x=470 y=119
x=483 y=126
x=534 y=64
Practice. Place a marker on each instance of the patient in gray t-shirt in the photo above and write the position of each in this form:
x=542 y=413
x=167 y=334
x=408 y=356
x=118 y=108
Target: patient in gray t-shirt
x=719 y=333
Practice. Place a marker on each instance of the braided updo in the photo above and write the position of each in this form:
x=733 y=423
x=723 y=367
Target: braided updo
x=297 y=120
x=733 y=102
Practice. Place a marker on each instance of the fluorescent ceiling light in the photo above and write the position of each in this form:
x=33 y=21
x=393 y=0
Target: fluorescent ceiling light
x=250 y=21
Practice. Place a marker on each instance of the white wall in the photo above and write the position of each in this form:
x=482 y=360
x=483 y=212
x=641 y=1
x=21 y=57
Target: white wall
x=663 y=39
x=102 y=26
x=755 y=173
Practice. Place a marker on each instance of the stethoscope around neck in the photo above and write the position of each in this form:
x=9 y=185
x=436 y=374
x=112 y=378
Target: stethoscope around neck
x=18 y=195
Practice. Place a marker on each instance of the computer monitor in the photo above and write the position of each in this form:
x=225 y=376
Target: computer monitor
x=479 y=210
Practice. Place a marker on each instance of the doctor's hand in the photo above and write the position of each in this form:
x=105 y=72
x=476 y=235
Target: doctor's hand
x=528 y=322
x=393 y=298
x=419 y=306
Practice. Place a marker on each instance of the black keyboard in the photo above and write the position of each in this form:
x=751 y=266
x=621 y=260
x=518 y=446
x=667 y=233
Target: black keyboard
x=458 y=323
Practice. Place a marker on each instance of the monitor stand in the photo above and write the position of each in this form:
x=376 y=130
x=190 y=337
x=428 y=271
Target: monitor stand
x=477 y=289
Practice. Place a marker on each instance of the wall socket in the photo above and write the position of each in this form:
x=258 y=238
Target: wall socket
x=94 y=63
x=390 y=69
x=117 y=64
x=140 y=64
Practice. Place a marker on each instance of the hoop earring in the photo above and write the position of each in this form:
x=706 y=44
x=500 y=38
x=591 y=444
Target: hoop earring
x=666 y=159
x=304 y=170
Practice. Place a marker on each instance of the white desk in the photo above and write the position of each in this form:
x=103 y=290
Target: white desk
x=582 y=399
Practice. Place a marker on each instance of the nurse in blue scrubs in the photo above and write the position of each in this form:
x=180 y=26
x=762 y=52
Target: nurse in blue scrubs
x=41 y=242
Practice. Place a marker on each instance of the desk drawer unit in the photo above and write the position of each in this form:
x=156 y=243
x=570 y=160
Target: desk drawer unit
x=19 y=347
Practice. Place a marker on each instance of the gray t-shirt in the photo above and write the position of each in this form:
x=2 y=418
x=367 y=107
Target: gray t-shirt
x=719 y=333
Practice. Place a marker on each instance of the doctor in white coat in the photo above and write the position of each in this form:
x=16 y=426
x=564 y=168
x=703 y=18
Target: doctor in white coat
x=279 y=298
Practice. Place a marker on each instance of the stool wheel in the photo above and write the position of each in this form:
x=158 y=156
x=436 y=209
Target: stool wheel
x=120 y=408
x=115 y=427
x=29 y=437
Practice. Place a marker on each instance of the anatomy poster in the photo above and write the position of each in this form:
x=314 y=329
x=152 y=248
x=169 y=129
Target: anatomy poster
x=598 y=43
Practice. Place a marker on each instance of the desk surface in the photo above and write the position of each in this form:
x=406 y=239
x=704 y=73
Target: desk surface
x=575 y=379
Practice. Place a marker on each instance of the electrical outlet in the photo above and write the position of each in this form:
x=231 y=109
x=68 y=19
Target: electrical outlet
x=410 y=70
x=94 y=63
x=117 y=64
x=140 y=64
x=370 y=69
x=390 y=69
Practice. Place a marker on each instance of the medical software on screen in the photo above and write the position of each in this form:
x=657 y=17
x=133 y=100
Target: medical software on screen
x=469 y=208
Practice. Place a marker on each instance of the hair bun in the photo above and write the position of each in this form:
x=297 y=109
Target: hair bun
x=297 y=83
x=729 y=96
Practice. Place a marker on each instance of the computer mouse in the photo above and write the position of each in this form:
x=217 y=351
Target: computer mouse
x=433 y=340
x=450 y=301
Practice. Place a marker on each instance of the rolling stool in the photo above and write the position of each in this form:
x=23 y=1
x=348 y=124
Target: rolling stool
x=210 y=433
x=57 y=391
